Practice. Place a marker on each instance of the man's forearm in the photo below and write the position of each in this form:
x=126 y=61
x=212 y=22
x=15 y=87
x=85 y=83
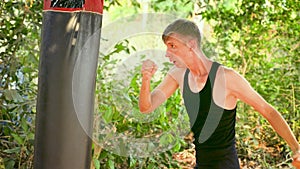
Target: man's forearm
x=145 y=95
x=283 y=129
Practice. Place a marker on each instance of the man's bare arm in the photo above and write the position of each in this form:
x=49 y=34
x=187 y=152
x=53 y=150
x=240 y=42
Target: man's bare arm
x=149 y=101
x=242 y=90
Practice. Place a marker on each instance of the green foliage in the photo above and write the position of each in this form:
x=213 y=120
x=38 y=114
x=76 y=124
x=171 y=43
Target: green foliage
x=109 y=4
x=114 y=92
x=259 y=39
x=20 y=28
x=183 y=8
x=121 y=8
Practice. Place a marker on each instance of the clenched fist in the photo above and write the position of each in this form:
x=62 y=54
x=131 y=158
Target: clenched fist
x=148 y=68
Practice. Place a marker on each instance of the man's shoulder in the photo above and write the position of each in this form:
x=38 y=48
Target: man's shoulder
x=226 y=69
x=175 y=69
x=177 y=73
x=229 y=73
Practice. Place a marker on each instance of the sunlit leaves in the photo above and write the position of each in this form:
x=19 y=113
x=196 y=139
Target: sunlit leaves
x=20 y=23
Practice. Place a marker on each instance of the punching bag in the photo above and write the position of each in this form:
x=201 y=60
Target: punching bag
x=70 y=42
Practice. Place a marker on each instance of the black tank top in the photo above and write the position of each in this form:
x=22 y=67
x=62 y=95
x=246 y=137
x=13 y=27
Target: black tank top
x=213 y=126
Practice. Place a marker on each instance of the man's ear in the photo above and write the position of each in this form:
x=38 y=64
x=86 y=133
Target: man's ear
x=192 y=44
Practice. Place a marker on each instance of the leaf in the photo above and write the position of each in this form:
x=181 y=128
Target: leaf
x=13 y=150
x=96 y=163
x=166 y=139
x=30 y=136
x=7 y=95
x=103 y=155
x=132 y=162
x=10 y=164
x=24 y=124
x=107 y=116
x=13 y=95
x=151 y=166
x=27 y=70
x=17 y=138
x=111 y=164
x=150 y=147
x=177 y=147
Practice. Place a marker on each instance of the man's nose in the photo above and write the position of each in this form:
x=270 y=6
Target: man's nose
x=168 y=54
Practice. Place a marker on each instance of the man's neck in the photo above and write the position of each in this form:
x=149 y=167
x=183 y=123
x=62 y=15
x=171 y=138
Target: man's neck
x=200 y=65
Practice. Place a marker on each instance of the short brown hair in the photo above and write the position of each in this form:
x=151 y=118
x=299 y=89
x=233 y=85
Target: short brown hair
x=183 y=27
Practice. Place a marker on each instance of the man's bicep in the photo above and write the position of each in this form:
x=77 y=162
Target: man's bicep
x=168 y=86
x=162 y=92
x=246 y=93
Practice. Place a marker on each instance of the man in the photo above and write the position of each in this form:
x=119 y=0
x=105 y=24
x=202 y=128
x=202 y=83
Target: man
x=210 y=92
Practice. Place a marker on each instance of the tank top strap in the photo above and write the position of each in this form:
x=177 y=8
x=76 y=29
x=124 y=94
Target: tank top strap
x=186 y=76
x=213 y=73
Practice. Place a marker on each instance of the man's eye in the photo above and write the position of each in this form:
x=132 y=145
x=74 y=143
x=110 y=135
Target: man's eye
x=173 y=46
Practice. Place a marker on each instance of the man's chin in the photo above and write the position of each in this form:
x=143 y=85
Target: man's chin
x=179 y=65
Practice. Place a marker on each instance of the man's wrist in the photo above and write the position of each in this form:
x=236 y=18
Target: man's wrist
x=146 y=76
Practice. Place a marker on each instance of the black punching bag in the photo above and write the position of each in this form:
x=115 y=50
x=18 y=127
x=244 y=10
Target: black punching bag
x=67 y=74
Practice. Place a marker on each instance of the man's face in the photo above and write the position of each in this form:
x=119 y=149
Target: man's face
x=177 y=50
